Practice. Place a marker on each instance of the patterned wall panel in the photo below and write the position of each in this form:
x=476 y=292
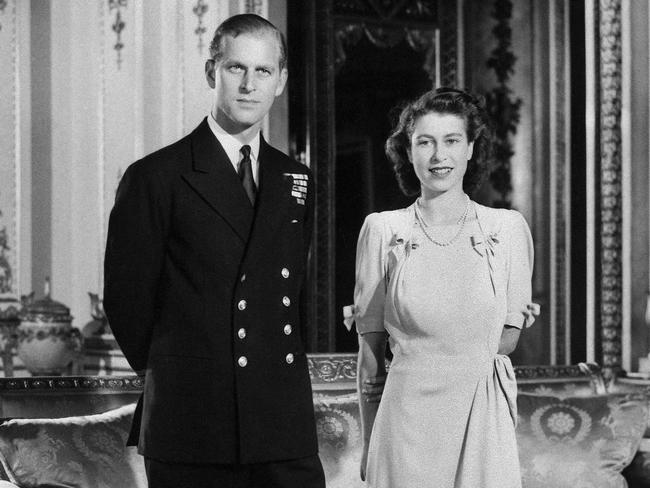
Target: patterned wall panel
x=9 y=151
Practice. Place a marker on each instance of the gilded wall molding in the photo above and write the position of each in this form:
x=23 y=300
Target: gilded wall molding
x=609 y=219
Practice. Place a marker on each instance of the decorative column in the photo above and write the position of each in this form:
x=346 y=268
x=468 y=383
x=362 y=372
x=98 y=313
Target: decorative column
x=609 y=300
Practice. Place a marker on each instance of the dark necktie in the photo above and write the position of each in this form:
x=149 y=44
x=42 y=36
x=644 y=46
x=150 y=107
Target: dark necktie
x=246 y=173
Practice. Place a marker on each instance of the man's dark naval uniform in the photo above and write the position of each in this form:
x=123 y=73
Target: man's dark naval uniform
x=203 y=291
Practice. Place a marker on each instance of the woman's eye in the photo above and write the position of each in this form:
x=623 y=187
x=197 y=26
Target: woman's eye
x=424 y=142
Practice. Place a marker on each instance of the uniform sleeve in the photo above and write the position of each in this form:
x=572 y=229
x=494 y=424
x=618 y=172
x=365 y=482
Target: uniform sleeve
x=370 y=287
x=520 y=270
x=133 y=263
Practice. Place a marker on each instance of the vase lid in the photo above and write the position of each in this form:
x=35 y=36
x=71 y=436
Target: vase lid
x=9 y=306
x=46 y=306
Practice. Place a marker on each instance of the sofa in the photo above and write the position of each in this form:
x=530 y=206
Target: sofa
x=70 y=431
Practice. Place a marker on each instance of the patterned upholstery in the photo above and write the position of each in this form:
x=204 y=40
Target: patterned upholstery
x=563 y=418
x=576 y=442
x=85 y=451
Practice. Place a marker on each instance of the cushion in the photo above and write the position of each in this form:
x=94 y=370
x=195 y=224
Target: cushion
x=578 y=442
x=79 y=452
x=339 y=437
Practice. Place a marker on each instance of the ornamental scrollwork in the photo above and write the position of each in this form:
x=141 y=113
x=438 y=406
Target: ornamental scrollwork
x=332 y=369
x=200 y=9
x=118 y=26
x=94 y=383
x=386 y=24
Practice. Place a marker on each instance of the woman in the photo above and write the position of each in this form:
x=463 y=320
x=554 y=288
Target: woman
x=448 y=282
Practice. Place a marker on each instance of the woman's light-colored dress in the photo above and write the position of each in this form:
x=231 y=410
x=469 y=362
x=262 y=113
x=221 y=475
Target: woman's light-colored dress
x=447 y=414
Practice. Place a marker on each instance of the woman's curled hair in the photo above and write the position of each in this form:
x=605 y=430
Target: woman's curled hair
x=442 y=101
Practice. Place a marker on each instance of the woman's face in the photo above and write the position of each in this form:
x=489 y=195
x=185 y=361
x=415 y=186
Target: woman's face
x=439 y=152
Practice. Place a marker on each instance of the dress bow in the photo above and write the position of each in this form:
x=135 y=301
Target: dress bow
x=485 y=246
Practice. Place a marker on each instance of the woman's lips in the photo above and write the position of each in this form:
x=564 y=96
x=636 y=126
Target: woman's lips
x=441 y=170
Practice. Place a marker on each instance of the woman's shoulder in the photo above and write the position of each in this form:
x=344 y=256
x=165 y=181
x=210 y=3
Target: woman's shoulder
x=389 y=220
x=498 y=216
x=502 y=222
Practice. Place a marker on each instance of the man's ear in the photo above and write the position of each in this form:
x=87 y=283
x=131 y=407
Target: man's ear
x=210 y=67
x=284 y=74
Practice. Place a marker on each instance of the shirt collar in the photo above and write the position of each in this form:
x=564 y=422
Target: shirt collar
x=231 y=145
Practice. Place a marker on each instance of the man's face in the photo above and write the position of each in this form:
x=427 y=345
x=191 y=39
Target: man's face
x=246 y=80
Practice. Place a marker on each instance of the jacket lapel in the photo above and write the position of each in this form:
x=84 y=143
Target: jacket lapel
x=272 y=200
x=214 y=179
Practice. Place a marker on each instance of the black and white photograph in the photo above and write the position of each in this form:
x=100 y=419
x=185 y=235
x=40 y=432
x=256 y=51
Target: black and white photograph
x=325 y=243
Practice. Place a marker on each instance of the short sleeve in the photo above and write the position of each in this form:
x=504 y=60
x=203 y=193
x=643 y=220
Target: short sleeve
x=520 y=269
x=370 y=286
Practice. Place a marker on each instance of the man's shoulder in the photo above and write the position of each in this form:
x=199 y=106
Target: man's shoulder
x=164 y=160
x=287 y=163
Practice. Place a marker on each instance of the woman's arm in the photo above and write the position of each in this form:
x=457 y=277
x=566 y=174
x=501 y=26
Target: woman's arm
x=509 y=338
x=510 y=334
x=371 y=376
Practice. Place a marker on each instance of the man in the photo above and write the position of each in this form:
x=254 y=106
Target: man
x=205 y=267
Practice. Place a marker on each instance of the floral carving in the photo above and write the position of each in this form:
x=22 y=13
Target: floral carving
x=200 y=10
x=503 y=109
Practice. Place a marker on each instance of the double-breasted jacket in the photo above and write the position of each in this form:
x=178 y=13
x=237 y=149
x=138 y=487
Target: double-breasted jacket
x=204 y=293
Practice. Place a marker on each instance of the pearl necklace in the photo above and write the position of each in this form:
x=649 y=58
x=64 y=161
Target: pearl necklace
x=424 y=225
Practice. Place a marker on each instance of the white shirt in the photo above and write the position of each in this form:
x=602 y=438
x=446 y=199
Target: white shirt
x=233 y=147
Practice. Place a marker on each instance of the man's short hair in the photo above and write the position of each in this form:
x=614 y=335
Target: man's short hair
x=246 y=24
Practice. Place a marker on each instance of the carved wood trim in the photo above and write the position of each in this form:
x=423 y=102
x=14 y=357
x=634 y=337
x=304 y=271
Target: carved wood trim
x=609 y=216
x=324 y=369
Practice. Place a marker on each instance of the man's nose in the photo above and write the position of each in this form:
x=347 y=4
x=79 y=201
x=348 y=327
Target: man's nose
x=247 y=82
